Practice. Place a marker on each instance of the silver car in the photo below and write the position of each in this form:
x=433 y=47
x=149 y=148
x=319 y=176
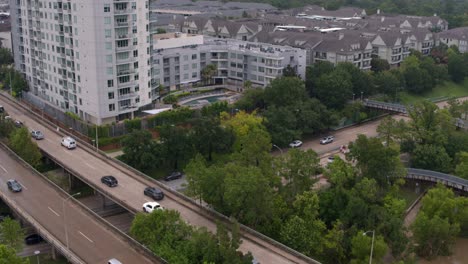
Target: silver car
x=37 y=134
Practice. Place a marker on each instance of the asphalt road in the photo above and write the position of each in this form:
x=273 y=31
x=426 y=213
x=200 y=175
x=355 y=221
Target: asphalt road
x=130 y=190
x=88 y=239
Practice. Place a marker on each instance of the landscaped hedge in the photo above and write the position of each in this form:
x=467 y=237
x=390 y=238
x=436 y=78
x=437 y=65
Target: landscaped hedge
x=105 y=141
x=171 y=117
x=133 y=124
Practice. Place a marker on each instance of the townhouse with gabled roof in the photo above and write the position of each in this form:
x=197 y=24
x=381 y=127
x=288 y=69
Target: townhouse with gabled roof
x=455 y=36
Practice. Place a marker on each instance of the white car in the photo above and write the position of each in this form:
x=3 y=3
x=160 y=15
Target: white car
x=295 y=144
x=327 y=140
x=68 y=142
x=37 y=134
x=149 y=207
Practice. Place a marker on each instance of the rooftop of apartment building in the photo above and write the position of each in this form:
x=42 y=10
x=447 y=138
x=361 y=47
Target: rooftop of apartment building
x=252 y=47
x=460 y=33
x=209 y=8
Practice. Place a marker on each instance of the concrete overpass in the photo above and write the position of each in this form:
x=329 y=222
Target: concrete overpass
x=73 y=230
x=89 y=166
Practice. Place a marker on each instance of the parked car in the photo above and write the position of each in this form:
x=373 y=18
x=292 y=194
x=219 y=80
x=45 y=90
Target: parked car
x=18 y=123
x=68 y=142
x=330 y=159
x=14 y=185
x=295 y=144
x=33 y=239
x=174 y=176
x=113 y=261
x=36 y=134
x=110 y=181
x=149 y=207
x=327 y=140
x=154 y=193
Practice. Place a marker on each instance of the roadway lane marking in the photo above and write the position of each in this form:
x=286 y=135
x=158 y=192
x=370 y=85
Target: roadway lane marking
x=26 y=188
x=89 y=165
x=53 y=211
x=3 y=168
x=85 y=237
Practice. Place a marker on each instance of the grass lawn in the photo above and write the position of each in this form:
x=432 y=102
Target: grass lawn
x=444 y=91
x=47 y=259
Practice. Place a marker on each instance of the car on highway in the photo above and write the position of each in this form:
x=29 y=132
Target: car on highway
x=113 y=261
x=33 y=239
x=327 y=140
x=154 y=193
x=36 y=134
x=295 y=144
x=174 y=176
x=14 y=186
x=149 y=207
x=109 y=180
x=68 y=142
x=18 y=123
x=2 y=109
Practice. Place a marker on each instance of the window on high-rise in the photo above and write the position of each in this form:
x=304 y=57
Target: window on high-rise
x=106 y=8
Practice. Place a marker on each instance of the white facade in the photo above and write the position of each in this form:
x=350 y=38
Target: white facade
x=179 y=58
x=88 y=57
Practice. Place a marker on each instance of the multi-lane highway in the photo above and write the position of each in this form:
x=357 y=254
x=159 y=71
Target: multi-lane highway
x=129 y=192
x=89 y=239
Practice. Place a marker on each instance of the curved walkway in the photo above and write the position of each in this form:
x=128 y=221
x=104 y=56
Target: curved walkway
x=434 y=176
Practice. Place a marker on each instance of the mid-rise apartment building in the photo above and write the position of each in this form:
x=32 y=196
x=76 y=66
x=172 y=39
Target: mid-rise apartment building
x=178 y=59
x=88 y=57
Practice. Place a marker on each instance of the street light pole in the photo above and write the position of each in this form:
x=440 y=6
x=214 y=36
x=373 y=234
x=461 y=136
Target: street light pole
x=97 y=140
x=278 y=148
x=372 y=246
x=65 y=218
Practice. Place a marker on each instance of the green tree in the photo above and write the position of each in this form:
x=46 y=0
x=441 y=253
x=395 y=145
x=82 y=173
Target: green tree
x=360 y=80
x=8 y=256
x=18 y=84
x=379 y=65
x=285 y=91
x=208 y=72
x=251 y=100
x=208 y=137
x=375 y=160
x=456 y=66
x=282 y=125
x=290 y=72
x=361 y=246
x=6 y=57
x=386 y=82
x=304 y=231
x=314 y=72
x=140 y=151
x=434 y=235
x=297 y=168
x=334 y=246
x=334 y=89
x=428 y=124
x=431 y=157
x=21 y=143
x=12 y=234
x=177 y=146
x=462 y=167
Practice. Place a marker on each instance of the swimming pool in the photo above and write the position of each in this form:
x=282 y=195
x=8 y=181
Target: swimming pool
x=210 y=100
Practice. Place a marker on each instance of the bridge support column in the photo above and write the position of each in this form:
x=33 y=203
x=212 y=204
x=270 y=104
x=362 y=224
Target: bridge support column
x=53 y=253
x=417 y=188
x=103 y=198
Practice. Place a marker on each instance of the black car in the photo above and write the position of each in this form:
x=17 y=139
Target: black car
x=33 y=239
x=110 y=181
x=154 y=193
x=173 y=176
x=14 y=186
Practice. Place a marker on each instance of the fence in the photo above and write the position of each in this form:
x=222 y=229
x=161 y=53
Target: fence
x=58 y=117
